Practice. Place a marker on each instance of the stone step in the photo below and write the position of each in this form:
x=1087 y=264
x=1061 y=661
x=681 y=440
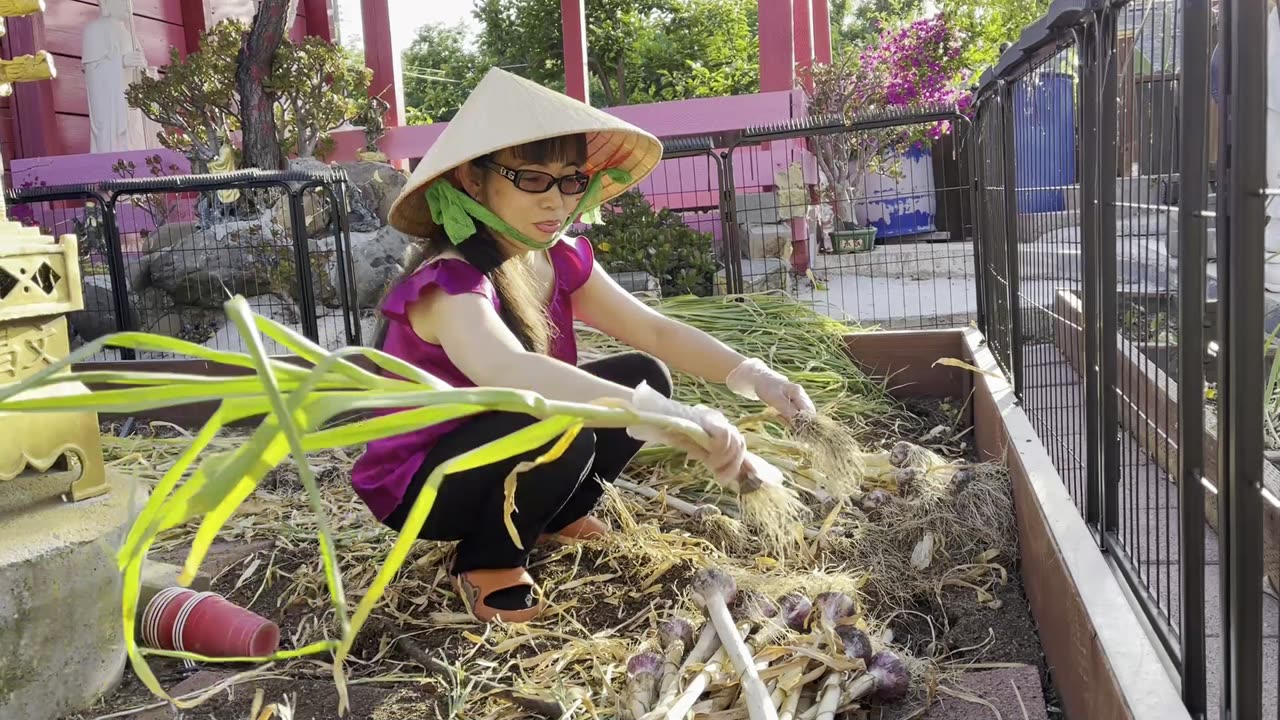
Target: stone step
x=1134 y=196
x=1139 y=259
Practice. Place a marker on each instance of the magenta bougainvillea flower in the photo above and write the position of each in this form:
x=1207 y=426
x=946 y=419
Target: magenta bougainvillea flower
x=912 y=65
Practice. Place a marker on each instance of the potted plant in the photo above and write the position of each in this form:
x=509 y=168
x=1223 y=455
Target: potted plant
x=916 y=64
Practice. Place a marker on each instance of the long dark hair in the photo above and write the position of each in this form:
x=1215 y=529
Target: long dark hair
x=521 y=308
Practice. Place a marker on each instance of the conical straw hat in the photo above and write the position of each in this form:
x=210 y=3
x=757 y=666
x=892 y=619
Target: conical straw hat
x=506 y=110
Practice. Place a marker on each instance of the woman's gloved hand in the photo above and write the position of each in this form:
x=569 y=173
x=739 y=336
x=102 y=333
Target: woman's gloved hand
x=756 y=381
x=727 y=448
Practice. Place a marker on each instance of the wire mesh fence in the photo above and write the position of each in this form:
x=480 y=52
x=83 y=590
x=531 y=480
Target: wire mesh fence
x=162 y=255
x=1124 y=242
x=1042 y=119
x=1145 y=523
x=668 y=235
x=870 y=220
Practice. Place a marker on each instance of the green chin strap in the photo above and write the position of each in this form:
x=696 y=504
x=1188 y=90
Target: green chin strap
x=457 y=212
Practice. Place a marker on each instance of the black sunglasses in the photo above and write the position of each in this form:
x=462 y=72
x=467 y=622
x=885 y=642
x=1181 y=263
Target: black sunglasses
x=534 y=181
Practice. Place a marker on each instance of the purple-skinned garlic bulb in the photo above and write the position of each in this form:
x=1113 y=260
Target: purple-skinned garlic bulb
x=886 y=679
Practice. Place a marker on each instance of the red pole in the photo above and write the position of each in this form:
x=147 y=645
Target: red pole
x=573 y=22
x=318 y=24
x=382 y=59
x=822 y=31
x=195 y=20
x=777 y=46
x=35 y=120
x=803 y=21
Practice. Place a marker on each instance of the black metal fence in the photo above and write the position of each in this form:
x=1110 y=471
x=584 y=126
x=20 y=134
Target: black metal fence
x=759 y=204
x=162 y=254
x=884 y=244
x=1128 y=305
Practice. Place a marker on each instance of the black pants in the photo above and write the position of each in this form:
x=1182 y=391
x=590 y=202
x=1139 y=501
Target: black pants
x=469 y=507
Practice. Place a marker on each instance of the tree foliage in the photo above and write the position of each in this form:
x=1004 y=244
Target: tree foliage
x=440 y=70
x=914 y=64
x=857 y=23
x=638 y=51
x=986 y=24
x=195 y=101
x=982 y=25
x=708 y=48
x=314 y=87
x=318 y=87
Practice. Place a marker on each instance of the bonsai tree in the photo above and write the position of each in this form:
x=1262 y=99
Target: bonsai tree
x=318 y=87
x=195 y=101
x=310 y=88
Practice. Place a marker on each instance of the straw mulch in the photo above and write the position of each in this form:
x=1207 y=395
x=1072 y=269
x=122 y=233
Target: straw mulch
x=606 y=598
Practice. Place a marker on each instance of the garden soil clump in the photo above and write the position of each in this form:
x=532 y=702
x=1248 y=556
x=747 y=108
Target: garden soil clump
x=940 y=601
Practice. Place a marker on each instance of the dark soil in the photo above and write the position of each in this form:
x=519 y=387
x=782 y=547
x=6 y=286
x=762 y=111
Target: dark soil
x=1004 y=631
x=1000 y=632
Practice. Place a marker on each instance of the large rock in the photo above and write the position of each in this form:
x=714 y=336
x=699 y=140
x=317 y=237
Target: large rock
x=280 y=308
x=325 y=279
x=61 y=641
x=317 y=207
x=764 y=241
x=376 y=261
x=374 y=186
x=168 y=235
x=160 y=315
x=98 y=317
x=637 y=283
x=757 y=208
x=765 y=275
x=204 y=269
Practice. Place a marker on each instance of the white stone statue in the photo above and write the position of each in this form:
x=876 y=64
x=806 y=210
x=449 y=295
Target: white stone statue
x=112 y=59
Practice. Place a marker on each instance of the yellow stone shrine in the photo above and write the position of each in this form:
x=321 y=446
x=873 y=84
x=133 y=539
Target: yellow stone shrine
x=39 y=285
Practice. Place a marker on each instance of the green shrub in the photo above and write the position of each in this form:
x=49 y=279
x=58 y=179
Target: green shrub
x=635 y=238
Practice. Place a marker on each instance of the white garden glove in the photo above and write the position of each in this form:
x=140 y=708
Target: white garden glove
x=756 y=381
x=727 y=448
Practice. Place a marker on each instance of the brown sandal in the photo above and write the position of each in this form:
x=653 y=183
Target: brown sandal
x=583 y=529
x=474 y=586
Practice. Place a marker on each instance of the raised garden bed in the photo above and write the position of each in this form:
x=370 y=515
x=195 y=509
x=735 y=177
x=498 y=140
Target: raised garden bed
x=1099 y=667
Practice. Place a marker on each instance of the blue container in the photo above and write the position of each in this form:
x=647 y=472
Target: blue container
x=901 y=207
x=1044 y=141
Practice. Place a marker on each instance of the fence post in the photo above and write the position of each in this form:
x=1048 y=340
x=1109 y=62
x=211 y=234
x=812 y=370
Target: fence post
x=119 y=275
x=1192 y=235
x=1240 y=277
x=1011 y=237
x=1108 y=163
x=302 y=263
x=974 y=157
x=342 y=252
x=733 y=283
x=1087 y=54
